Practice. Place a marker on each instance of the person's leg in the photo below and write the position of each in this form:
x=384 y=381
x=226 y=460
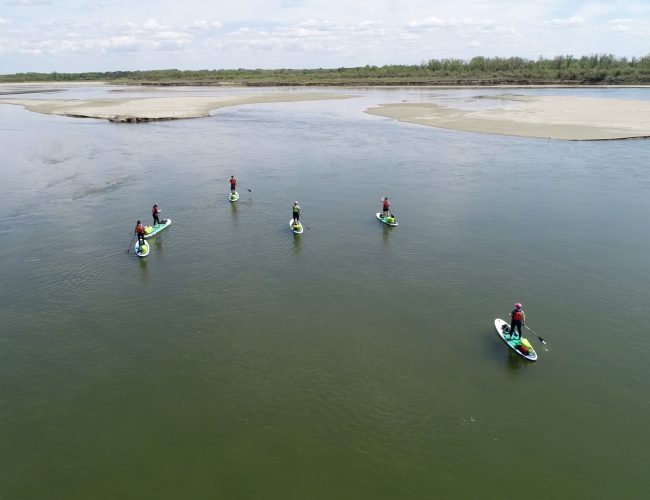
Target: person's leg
x=512 y=327
x=518 y=327
x=298 y=217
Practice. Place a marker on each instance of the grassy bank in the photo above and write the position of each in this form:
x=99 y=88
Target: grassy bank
x=586 y=70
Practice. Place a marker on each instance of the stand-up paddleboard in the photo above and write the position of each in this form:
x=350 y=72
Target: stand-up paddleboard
x=387 y=220
x=233 y=196
x=141 y=251
x=165 y=223
x=299 y=230
x=503 y=329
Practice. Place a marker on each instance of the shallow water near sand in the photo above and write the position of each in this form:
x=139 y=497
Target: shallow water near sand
x=239 y=360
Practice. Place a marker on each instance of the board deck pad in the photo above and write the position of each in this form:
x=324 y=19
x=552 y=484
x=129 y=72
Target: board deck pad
x=146 y=252
x=385 y=220
x=157 y=228
x=513 y=343
x=291 y=227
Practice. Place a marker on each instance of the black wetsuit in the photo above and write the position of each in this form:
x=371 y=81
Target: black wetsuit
x=515 y=324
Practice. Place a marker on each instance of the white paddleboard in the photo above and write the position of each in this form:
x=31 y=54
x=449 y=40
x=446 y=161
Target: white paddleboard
x=297 y=231
x=385 y=221
x=145 y=249
x=157 y=228
x=233 y=196
x=503 y=329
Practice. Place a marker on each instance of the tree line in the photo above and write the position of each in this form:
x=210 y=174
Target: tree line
x=593 y=69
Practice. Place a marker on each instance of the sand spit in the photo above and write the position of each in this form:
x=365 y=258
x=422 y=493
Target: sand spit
x=11 y=90
x=156 y=108
x=547 y=117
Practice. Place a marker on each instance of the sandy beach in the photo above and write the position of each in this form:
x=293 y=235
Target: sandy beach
x=548 y=117
x=156 y=108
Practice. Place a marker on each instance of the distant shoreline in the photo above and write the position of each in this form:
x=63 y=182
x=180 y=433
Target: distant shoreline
x=441 y=84
x=437 y=85
x=595 y=69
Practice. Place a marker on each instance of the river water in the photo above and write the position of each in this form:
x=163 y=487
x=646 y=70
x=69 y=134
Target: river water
x=353 y=361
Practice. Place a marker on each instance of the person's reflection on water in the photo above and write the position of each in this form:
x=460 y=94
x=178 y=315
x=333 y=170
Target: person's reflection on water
x=158 y=244
x=296 y=243
x=515 y=362
x=387 y=231
x=144 y=273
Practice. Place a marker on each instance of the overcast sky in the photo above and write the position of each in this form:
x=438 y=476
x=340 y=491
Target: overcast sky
x=105 y=35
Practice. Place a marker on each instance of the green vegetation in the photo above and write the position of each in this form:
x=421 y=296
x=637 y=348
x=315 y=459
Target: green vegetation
x=594 y=70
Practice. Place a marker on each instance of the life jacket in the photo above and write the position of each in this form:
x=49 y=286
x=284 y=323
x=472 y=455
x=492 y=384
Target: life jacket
x=296 y=209
x=386 y=205
x=154 y=210
x=518 y=315
x=139 y=229
x=233 y=182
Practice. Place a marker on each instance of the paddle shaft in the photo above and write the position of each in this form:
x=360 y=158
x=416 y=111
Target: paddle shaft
x=303 y=219
x=129 y=249
x=540 y=338
x=244 y=188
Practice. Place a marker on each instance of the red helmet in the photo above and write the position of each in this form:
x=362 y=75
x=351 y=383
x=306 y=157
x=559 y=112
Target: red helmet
x=518 y=305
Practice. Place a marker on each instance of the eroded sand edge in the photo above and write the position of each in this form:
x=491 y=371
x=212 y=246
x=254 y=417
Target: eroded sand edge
x=156 y=108
x=548 y=117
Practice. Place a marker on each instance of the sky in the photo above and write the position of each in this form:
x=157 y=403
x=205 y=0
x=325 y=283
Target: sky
x=110 y=35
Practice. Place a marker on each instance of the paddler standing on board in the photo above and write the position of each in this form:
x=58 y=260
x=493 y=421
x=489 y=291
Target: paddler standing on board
x=140 y=232
x=296 y=212
x=518 y=318
x=386 y=208
x=233 y=184
x=155 y=211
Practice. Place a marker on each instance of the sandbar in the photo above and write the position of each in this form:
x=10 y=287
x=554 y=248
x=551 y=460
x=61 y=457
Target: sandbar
x=545 y=117
x=156 y=108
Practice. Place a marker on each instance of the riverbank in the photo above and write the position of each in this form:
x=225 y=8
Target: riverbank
x=155 y=108
x=544 y=117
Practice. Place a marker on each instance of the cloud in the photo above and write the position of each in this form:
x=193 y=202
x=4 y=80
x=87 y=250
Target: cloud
x=216 y=24
x=306 y=36
x=154 y=25
x=434 y=22
x=3 y=21
x=572 y=22
x=429 y=22
x=474 y=43
x=619 y=28
x=27 y=3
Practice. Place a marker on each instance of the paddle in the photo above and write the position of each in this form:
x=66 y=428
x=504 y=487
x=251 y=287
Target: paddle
x=303 y=219
x=540 y=338
x=244 y=188
x=129 y=249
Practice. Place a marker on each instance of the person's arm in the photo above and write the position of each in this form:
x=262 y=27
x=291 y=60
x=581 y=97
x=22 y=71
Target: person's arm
x=524 y=318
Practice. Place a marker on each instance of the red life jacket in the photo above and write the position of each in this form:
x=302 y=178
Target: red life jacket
x=233 y=182
x=518 y=315
x=139 y=228
x=386 y=205
x=155 y=210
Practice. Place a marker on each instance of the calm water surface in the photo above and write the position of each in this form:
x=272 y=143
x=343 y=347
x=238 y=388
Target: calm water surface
x=353 y=361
